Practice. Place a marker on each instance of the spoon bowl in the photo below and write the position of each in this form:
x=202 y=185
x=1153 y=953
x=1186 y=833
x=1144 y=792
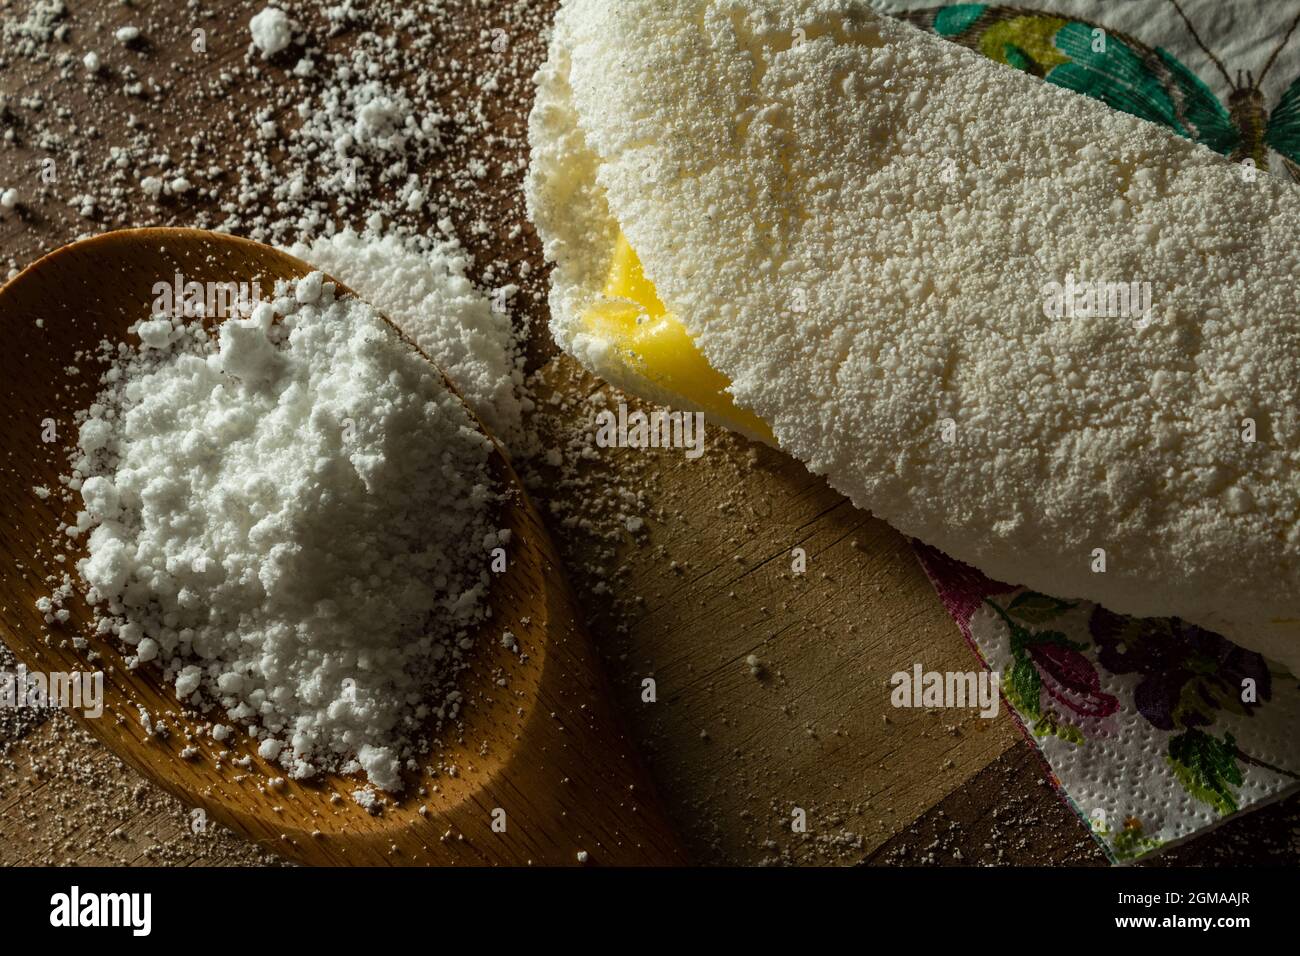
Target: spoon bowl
x=544 y=771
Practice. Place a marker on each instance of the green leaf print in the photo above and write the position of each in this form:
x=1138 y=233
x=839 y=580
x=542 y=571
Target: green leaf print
x=1130 y=842
x=1207 y=768
x=1025 y=686
x=1051 y=723
x=1034 y=608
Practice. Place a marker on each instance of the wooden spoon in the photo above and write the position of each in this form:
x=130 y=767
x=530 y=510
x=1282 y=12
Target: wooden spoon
x=545 y=757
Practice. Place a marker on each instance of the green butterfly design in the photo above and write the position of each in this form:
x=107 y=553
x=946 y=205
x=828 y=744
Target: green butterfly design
x=1130 y=76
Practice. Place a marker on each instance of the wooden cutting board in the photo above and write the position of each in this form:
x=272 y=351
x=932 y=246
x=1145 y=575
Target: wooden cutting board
x=714 y=578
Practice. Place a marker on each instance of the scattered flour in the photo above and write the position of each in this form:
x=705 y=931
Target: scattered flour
x=290 y=519
x=28 y=37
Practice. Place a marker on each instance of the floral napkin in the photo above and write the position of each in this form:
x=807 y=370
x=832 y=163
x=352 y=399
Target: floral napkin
x=1142 y=721
x=1153 y=729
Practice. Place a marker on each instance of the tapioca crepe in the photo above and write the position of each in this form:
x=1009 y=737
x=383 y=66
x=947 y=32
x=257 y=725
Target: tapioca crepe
x=1052 y=340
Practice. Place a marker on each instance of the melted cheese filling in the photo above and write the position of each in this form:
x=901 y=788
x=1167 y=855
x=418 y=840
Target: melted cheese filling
x=652 y=342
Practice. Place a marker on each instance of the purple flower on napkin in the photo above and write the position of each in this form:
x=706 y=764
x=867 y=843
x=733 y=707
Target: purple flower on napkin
x=1070 y=679
x=1189 y=674
x=1047 y=662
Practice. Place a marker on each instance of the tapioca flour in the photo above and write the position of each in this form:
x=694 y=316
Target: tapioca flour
x=293 y=519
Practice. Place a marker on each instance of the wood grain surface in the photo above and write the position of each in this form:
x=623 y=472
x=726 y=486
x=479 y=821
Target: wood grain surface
x=682 y=601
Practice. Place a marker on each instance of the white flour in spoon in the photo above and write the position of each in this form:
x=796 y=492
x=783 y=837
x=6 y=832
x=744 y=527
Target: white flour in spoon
x=293 y=521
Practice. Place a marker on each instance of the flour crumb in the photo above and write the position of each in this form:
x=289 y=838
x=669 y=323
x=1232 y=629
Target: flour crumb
x=272 y=31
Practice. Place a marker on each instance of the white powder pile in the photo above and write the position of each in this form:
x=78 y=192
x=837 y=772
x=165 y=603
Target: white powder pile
x=421 y=285
x=292 y=519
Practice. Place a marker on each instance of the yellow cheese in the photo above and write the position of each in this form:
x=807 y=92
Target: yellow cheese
x=652 y=342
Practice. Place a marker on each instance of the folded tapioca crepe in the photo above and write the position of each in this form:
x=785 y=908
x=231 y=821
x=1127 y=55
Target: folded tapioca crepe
x=836 y=233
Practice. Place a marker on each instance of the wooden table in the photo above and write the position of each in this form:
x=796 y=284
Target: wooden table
x=685 y=601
